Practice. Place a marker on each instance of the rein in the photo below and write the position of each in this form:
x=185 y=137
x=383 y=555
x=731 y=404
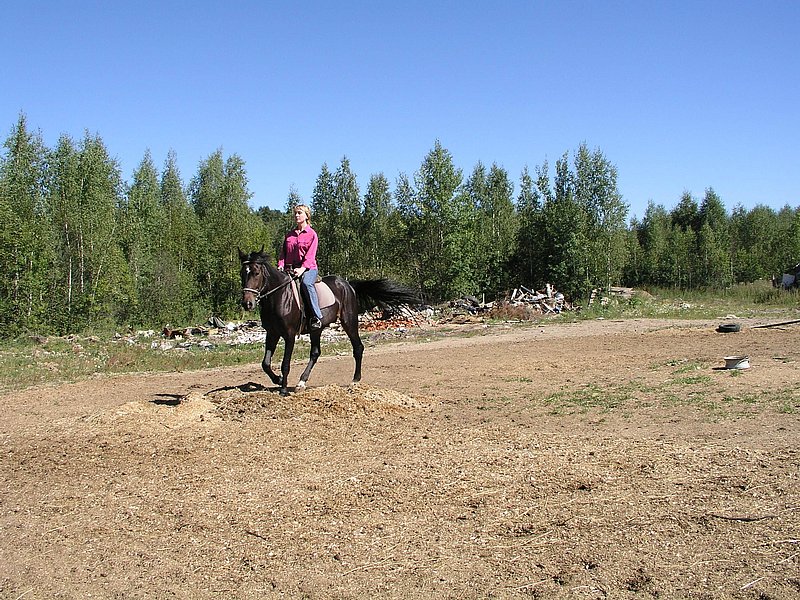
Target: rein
x=259 y=294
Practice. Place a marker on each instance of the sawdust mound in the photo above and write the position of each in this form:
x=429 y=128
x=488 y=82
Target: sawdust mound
x=329 y=400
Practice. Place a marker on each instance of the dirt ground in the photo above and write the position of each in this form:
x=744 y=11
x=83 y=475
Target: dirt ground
x=602 y=459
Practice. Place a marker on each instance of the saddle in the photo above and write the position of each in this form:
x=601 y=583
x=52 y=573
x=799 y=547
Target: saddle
x=324 y=296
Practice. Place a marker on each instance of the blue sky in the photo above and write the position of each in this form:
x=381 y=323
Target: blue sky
x=679 y=96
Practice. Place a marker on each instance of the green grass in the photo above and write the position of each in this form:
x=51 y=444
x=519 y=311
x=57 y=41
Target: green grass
x=590 y=396
x=744 y=300
x=55 y=360
x=37 y=360
x=699 y=392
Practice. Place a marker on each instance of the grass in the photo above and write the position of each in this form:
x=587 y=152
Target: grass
x=588 y=397
x=700 y=392
x=37 y=360
x=24 y=363
x=744 y=300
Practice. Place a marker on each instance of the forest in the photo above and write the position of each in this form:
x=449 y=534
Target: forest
x=83 y=249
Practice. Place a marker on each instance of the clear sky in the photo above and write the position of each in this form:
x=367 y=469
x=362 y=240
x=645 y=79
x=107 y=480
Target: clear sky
x=679 y=96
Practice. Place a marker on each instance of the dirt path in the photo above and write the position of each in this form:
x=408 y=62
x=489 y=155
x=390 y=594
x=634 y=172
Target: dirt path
x=589 y=460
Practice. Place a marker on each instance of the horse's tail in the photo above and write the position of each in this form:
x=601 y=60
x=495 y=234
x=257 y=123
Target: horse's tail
x=383 y=293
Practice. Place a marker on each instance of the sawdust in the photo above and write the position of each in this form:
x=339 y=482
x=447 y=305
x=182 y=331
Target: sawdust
x=589 y=460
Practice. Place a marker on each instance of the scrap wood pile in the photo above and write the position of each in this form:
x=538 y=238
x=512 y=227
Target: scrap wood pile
x=393 y=318
x=471 y=305
x=544 y=301
x=520 y=303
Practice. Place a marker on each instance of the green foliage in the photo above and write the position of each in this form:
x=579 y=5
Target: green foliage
x=220 y=197
x=26 y=363
x=497 y=226
x=595 y=182
x=174 y=296
x=439 y=227
x=26 y=236
x=82 y=249
x=381 y=233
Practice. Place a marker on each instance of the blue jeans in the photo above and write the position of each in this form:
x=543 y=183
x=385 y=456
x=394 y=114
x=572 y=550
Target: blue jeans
x=309 y=277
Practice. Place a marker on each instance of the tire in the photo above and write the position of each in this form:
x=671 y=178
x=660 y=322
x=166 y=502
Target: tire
x=729 y=328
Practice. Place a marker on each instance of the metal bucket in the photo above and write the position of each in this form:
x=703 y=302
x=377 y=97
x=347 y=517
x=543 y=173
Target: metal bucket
x=737 y=362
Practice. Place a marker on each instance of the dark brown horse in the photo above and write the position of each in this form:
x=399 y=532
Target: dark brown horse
x=272 y=290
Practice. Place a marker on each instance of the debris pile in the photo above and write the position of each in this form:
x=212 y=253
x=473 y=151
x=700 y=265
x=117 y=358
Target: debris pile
x=613 y=293
x=519 y=304
x=471 y=305
x=400 y=318
x=789 y=279
x=218 y=333
x=545 y=301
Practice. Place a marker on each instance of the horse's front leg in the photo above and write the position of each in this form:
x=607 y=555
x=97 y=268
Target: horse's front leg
x=270 y=344
x=286 y=363
x=316 y=350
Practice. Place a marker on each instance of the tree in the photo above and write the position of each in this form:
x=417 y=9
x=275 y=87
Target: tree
x=409 y=228
x=379 y=230
x=173 y=297
x=85 y=198
x=713 y=258
x=25 y=233
x=682 y=253
x=346 y=252
x=276 y=223
x=324 y=218
x=526 y=263
x=683 y=241
x=595 y=183
x=686 y=214
x=443 y=227
x=220 y=198
x=714 y=244
x=499 y=233
x=785 y=251
x=563 y=231
x=479 y=257
x=142 y=236
x=653 y=235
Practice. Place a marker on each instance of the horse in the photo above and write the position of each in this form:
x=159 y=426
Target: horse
x=272 y=290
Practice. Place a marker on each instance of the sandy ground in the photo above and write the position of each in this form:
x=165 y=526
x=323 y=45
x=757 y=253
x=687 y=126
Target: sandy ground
x=603 y=459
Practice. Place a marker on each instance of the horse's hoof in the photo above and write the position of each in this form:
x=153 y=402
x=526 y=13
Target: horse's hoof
x=284 y=392
x=301 y=385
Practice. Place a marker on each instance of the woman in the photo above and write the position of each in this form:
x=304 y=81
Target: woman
x=299 y=256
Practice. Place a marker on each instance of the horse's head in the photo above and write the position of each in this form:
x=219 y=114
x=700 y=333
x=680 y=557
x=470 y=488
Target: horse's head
x=254 y=277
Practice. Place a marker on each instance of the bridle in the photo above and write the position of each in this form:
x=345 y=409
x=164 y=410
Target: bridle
x=259 y=293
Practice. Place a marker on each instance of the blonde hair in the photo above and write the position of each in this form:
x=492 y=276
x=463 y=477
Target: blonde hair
x=305 y=209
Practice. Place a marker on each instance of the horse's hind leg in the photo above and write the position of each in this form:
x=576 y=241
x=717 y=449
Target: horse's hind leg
x=350 y=327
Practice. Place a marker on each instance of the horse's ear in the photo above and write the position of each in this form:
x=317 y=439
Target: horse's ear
x=242 y=255
x=262 y=249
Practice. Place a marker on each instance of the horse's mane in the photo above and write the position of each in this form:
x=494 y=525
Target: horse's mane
x=262 y=258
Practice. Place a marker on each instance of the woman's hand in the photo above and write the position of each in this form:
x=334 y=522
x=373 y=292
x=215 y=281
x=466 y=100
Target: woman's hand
x=298 y=271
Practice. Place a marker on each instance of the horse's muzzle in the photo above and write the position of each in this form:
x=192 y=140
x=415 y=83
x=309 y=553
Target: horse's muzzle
x=249 y=301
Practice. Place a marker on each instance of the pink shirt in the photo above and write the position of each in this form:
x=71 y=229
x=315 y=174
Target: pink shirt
x=299 y=249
